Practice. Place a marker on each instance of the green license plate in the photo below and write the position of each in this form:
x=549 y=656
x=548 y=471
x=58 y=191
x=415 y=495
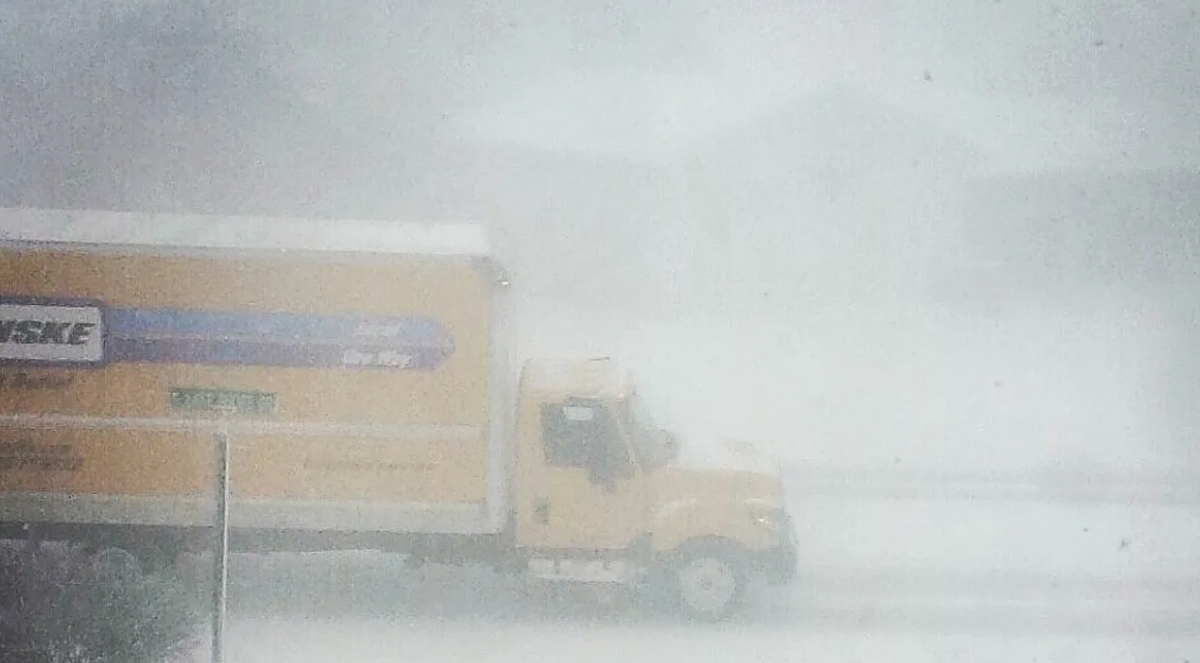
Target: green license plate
x=221 y=400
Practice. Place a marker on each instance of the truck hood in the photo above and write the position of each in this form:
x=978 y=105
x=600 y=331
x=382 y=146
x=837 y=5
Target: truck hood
x=676 y=485
x=730 y=455
x=728 y=470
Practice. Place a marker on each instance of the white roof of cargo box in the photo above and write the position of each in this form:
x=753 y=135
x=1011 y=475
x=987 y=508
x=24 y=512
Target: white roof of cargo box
x=241 y=232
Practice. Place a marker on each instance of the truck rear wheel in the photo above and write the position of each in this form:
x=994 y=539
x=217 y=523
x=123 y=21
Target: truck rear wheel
x=118 y=562
x=709 y=583
x=144 y=559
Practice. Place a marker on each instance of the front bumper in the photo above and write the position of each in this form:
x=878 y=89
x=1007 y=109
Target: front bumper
x=779 y=564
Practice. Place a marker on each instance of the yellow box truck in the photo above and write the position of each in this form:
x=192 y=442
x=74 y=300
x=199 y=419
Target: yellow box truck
x=364 y=373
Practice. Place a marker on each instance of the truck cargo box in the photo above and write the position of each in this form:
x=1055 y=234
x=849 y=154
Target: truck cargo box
x=358 y=367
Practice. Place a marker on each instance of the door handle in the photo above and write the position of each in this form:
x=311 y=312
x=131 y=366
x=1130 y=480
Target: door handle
x=541 y=510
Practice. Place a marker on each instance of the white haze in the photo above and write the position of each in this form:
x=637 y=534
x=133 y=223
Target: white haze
x=873 y=237
x=1030 y=390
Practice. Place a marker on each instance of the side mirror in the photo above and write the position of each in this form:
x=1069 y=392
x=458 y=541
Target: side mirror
x=608 y=468
x=621 y=469
x=672 y=446
x=602 y=477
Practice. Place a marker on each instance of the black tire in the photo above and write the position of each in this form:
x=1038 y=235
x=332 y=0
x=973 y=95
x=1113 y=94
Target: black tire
x=156 y=558
x=142 y=560
x=708 y=582
x=114 y=561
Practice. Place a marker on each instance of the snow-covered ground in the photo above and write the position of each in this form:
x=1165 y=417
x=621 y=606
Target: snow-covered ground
x=934 y=580
x=913 y=581
x=380 y=640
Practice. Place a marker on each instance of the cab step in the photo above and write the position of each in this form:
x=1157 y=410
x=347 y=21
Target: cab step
x=583 y=570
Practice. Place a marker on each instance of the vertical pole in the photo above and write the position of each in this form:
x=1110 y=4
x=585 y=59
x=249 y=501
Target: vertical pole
x=221 y=551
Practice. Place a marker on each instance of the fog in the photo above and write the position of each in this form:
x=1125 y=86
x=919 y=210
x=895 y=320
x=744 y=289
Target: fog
x=944 y=248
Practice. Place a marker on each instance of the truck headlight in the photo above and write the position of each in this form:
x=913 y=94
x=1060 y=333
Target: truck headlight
x=771 y=519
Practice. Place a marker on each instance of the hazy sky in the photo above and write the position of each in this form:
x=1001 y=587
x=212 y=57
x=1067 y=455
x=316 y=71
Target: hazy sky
x=362 y=100
x=1035 y=82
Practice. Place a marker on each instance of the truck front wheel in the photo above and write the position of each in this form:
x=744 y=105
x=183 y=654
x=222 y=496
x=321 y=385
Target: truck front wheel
x=709 y=582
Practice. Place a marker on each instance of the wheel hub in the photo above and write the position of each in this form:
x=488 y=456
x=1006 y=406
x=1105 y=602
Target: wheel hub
x=708 y=584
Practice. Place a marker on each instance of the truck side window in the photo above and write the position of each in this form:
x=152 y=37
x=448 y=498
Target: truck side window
x=569 y=443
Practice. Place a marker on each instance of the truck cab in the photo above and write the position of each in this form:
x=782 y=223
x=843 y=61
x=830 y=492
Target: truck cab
x=600 y=496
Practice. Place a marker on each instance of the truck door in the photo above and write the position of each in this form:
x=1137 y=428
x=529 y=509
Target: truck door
x=586 y=494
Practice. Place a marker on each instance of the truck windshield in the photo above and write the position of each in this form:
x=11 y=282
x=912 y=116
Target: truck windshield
x=649 y=442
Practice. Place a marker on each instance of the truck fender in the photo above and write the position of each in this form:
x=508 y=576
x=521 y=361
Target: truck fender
x=671 y=524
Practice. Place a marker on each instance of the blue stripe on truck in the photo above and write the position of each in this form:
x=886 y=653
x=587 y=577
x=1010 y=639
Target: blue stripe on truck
x=275 y=339
x=65 y=332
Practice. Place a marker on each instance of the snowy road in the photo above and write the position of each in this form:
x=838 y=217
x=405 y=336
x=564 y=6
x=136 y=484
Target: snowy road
x=382 y=640
x=359 y=611
x=913 y=581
